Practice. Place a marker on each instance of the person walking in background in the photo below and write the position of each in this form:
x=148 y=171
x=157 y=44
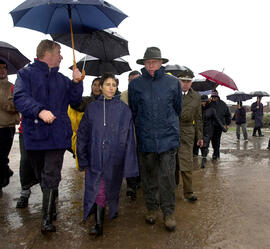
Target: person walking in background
x=27 y=174
x=190 y=124
x=224 y=115
x=257 y=116
x=132 y=182
x=240 y=120
x=106 y=151
x=42 y=96
x=75 y=114
x=9 y=117
x=209 y=117
x=155 y=101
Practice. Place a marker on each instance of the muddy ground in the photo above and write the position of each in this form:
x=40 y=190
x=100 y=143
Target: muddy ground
x=232 y=211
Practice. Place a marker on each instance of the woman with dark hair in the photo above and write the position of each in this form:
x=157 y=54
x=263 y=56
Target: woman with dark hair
x=106 y=151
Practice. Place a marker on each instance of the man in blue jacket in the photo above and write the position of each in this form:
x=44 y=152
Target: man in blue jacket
x=42 y=96
x=155 y=101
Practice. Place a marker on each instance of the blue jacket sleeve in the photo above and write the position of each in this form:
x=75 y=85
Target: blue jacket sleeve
x=178 y=100
x=76 y=91
x=23 y=101
x=83 y=141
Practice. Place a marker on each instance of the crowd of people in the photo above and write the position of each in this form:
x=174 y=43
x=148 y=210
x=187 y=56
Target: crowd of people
x=148 y=134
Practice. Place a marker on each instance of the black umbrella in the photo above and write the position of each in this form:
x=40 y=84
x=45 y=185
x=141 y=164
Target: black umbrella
x=14 y=59
x=175 y=70
x=103 y=44
x=203 y=85
x=259 y=94
x=96 y=67
x=239 y=96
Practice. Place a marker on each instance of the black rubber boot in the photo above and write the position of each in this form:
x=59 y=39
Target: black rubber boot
x=54 y=210
x=203 y=162
x=268 y=144
x=47 y=211
x=22 y=202
x=97 y=229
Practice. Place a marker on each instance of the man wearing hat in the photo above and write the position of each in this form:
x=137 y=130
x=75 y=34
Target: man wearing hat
x=155 y=101
x=224 y=115
x=190 y=125
x=9 y=117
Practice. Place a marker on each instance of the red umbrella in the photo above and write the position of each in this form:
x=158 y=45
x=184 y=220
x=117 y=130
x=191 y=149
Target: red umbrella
x=219 y=78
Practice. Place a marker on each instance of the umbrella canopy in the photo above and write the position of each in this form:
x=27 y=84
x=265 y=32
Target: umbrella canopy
x=219 y=78
x=239 y=96
x=105 y=45
x=203 y=85
x=259 y=94
x=96 y=67
x=176 y=70
x=14 y=59
x=52 y=16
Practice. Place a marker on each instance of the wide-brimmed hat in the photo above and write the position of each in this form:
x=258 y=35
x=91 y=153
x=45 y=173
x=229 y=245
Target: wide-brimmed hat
x=152 y=53
x=185 y=74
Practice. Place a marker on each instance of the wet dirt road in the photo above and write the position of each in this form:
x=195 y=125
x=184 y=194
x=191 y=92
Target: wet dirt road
x=232 y=211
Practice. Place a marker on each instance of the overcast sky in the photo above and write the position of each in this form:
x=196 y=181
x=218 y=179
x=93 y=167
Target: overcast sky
x=202 y=34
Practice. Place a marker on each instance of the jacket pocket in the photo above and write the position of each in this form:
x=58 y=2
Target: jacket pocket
x=37 y=130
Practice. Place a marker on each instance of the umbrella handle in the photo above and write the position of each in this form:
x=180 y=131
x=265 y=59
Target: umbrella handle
x=74 y=60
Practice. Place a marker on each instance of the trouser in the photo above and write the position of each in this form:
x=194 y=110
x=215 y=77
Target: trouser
x=216 y=141
x=47 y=165
x=244 y=131
x=158 y=180
x=6 y=140
x=27 y=174
x=187 y=183
x=255 y=129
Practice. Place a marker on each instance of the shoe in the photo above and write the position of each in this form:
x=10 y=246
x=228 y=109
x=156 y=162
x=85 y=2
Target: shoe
x=150 y=217
x=246 y=140
x=170 y=223
x=97 y=229
x=192 y=198
x=214 y=157
x=254 y=135
x=261 y=135
x=22 y=202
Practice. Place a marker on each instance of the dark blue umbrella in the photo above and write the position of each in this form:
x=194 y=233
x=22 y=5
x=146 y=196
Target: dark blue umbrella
x=52 y=16
x=14 y=59
x=64 y=16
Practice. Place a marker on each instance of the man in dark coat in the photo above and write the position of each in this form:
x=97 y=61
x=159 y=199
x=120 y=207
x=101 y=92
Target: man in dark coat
x=155 y=101
x=224 y=115
x=240 y=120
x=257 y=114
x=209 y=119
x=42 y=96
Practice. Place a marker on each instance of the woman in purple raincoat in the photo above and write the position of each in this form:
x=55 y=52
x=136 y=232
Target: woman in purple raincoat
x=106 y=151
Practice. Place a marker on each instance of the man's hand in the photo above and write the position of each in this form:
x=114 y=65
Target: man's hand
x=46 y=116
x=200 y=143
x=227 y=127
x=77 y=75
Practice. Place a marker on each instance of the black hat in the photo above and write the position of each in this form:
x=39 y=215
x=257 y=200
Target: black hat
x=204 y=98
x=152 y=53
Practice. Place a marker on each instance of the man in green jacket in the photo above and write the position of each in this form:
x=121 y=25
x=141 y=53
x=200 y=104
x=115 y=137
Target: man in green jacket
x=190 y=124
